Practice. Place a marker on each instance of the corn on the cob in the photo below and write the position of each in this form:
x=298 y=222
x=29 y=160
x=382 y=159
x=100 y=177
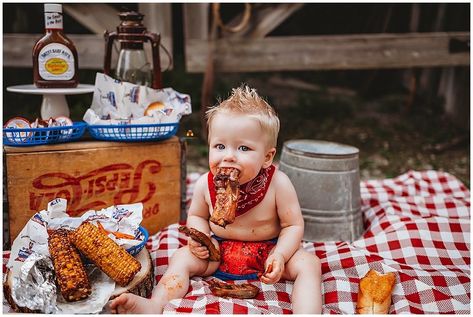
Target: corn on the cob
x=111 y=258
x=70 y=273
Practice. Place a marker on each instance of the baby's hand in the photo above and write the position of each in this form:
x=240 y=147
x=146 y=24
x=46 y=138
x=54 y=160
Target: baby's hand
x=276 y=264
x=198 y=249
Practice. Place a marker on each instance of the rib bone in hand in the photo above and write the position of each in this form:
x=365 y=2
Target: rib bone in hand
x=243 y=291
x=202 y=238
x=227 y=189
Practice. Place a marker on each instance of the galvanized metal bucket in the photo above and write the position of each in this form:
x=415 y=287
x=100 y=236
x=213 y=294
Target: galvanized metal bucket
x=327 y=181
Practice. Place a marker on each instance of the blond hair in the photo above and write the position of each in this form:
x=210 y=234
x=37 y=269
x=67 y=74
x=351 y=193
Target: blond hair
x=245 y=100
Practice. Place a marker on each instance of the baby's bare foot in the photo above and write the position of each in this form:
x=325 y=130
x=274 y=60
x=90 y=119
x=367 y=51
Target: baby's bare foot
x=132 y=304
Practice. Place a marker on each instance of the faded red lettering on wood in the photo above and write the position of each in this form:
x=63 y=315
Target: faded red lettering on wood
x=88 y=191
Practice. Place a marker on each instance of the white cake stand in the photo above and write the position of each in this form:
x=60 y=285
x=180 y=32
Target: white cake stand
x=54 y=99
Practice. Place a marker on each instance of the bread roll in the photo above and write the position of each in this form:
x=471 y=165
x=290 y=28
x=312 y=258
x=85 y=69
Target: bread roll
x=374 y=295
x=158 y=105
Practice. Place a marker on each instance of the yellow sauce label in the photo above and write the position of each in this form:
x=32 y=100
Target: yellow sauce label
x=56 y=62
x=56 y=66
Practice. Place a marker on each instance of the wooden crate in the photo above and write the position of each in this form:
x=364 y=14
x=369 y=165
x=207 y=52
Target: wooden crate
x=95 y=175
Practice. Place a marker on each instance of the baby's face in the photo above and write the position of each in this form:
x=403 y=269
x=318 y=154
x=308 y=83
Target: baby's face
x=239 y=142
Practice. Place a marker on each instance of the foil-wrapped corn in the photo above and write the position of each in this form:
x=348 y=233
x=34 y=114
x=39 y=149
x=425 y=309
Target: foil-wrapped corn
x=111 y=258
x=70 y=272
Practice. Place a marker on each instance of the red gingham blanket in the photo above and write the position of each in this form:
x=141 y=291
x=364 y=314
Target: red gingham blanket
x=417 y=225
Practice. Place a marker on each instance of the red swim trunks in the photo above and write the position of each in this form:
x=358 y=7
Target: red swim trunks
x=242 y=260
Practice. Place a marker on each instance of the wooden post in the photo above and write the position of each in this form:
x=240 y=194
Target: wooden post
x=429 y=77
x=158 y=19
x=454 y=87
x=196 y=27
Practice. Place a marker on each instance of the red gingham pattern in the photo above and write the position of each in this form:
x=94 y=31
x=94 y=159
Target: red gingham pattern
x=417 y=225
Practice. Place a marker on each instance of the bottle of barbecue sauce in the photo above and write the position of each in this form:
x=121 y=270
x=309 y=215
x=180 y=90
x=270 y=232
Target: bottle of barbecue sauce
x=55 y=63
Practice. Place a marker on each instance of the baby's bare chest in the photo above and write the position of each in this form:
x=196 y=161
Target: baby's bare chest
x=259 y=223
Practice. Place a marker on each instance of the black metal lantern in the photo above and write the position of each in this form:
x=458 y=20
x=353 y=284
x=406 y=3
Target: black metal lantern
x=132 y=64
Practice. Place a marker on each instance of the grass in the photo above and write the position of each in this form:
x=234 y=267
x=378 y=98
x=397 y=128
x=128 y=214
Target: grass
x=391 y=141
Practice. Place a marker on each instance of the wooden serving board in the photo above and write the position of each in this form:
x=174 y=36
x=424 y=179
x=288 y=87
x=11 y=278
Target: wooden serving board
x=141 y=285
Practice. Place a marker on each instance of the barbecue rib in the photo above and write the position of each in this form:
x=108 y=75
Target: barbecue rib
x=202 y=238
x=227 y=188
x=243 y=291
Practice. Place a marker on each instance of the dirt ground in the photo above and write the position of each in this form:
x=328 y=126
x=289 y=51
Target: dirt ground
x=392 y=139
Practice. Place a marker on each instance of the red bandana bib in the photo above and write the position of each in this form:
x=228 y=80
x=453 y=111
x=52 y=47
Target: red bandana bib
x=251 y=193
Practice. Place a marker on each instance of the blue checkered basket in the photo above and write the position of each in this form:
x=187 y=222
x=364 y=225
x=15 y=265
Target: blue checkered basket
x=133 y=132
x=39 y=136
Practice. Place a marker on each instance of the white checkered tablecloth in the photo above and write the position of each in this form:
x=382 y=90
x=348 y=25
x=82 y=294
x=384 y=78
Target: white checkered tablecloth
x=417 y=225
